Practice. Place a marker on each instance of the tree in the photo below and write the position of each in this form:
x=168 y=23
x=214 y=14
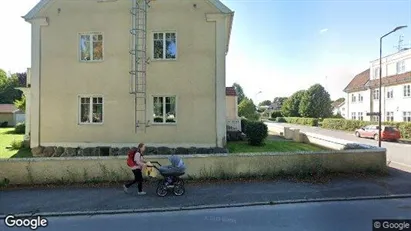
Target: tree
x=278 y=102
x=21 y=103
x=240 y=92
x=22 y=78
x=265 y=103
x=316 y=103
x=291 y=105
x=8 y=93
x=247 y=109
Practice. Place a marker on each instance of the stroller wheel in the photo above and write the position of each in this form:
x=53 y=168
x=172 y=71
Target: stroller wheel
x=161 y=189
x=179 y=189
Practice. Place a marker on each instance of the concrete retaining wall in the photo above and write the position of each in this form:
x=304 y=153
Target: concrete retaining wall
x=295 y=134
x=83 y=169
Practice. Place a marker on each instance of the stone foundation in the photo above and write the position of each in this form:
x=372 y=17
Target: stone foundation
x=111 y=151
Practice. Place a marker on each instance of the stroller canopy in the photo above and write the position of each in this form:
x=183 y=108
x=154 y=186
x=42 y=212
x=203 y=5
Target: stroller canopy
x=176 y=161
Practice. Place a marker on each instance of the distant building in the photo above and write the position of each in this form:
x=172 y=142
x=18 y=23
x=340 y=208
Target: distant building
x=363 y=90
x=339 y=108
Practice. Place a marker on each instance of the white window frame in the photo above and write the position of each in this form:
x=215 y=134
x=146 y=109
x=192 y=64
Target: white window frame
x=91 y=50
x=375 y=94
x=400 y=67
x=389 y=116
x=353 y=116
x=360 y=116
x=353 y=98
x=407 y=91
x=390 y=93
x=164 y=109
x=90 y=109
x=406 y=116
x=164 y=45
x=360 y=98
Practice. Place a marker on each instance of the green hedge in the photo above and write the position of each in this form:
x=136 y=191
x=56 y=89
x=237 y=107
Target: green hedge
x=302 y=121
x=276 y=113
x=351 y=125
x=20 y=128
x=256 y=132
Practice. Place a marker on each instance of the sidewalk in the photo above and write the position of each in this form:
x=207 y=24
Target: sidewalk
x=96 y=199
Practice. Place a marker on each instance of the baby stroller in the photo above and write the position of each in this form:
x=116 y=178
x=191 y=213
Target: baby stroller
x=171 y=174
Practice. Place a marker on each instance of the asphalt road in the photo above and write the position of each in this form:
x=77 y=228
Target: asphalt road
x=354 y=215
x=397 y=153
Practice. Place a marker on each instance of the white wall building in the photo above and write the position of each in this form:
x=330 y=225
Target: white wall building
x=339 y=108
x=363 y=93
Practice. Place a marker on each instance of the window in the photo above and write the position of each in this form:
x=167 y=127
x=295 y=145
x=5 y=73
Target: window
x=374 y=118
x=390 y=93
x=353 y=117
x=400 y=67
x=360 y=98
x=376 y=72
x=91 y=47
x=164 y=109
x=406 y=116
x=360 y=116
x=91 y=110
x=375 y=94
x=164 y=46
x=390 y=116
x=353 y=98
x=407 y=90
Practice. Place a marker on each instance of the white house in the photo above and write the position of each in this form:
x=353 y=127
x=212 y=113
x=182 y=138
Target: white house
x=363 y=93
x=339 y=108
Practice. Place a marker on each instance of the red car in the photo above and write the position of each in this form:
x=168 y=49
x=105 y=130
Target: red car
x=388 y=133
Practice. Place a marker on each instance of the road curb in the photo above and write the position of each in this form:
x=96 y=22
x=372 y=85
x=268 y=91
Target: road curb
x=203 y=207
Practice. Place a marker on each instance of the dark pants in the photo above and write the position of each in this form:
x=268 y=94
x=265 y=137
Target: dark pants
x=138 y=178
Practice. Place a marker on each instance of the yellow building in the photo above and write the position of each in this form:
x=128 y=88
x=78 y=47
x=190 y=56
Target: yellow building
x=119 y=72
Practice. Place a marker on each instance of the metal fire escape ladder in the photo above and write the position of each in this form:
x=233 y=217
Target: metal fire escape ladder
x=138 y=58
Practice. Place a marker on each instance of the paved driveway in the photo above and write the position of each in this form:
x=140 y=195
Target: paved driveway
x=398 y=154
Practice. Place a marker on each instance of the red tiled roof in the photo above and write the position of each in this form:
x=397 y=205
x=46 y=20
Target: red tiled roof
x=358 y=82
x=391 y=80
x=230 y=91
x=7 y=108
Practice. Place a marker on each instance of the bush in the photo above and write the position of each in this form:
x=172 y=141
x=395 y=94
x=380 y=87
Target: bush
x=276 y=114
x=302 y=121
x=351 y=125
x=16 y=145
x=20 y=128
x=280 y=120
x=256 y=132
x=4 y=124
x=244 y=121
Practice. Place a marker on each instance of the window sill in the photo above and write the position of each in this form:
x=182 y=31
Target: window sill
x=92 y=124
x=91 y=61
x=163 y=124
x=163 y=60
x=407 y=97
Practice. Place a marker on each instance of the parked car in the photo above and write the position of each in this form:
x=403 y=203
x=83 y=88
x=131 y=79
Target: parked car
x=388 y=133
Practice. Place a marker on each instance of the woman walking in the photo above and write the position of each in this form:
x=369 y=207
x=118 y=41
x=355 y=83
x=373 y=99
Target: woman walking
x=136 y=163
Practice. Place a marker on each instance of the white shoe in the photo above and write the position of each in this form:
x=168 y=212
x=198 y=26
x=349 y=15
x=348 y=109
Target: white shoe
x=141 y=193
x=125 y=189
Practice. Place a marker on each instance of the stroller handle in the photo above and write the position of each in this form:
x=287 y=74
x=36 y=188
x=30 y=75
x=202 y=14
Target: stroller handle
x=154 y=166
x=156 y=162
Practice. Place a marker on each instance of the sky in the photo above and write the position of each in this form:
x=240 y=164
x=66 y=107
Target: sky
x=276 y=47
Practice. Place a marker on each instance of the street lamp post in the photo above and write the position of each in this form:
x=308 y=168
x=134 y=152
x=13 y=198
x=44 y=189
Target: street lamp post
x=379 y=88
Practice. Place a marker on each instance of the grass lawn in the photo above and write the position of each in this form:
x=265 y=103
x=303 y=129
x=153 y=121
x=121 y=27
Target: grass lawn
x=6 y=138
x=271 y=146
